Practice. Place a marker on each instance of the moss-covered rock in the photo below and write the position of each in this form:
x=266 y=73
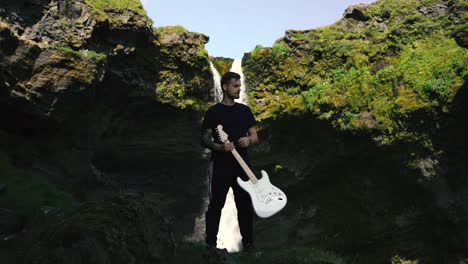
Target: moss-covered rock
x=82 y=88
x=222 y=64
x=363 y=106
x=29 y=202
x=120 y=11
x=23 y=14
x=185 y=77
x=387 y=63
x=43 y=81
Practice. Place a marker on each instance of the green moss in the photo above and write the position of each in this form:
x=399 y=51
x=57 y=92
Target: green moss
x=399 y=260
x=83 y=63
x=202 y=52
x=103 y=8
x=170 y=29
x=27 y=192
x=221 y=64
x=185 y=78
x=256 y=52
x=83 y=54
x=281 y=49
x=411 y=67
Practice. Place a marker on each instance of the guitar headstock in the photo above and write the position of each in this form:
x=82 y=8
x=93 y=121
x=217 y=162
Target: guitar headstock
x=221 y=134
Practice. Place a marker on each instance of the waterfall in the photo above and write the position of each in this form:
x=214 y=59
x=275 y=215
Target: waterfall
x=217 y=91
x=237 y=68
x=229 y=236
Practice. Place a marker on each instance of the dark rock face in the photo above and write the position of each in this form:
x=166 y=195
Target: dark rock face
x=16 y=58
x=79 y=90
x=461 y=36
x=22 y=14
x=78 y=25
x=451 y=188
x=66 y=23
x=124 y=229
x=458 y=17
x=10 y=223
x=347 y=194
x=457 y=11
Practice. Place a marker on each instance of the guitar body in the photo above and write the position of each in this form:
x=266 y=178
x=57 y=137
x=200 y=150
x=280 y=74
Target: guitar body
x=267 y=199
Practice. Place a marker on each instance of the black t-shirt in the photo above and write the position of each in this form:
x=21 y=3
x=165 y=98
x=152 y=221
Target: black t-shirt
x=236 y=120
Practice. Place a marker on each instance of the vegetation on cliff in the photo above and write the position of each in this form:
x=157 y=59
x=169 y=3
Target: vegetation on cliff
x=380 y=68
x=40 y=191
x=130 y=8
x=222 y=65
x=391 y=72
x=184 y=77
x=36 y=201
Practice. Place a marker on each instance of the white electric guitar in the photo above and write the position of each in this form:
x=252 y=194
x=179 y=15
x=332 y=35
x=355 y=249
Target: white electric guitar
x=267 y=199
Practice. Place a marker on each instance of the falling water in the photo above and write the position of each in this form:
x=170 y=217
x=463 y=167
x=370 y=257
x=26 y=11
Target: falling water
x=237 y=68
x=217 y=91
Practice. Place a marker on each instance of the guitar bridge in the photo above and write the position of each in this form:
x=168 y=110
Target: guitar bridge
x=267 y=200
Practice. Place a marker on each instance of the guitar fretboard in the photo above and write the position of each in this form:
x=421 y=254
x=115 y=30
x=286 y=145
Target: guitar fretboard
x=244 y=166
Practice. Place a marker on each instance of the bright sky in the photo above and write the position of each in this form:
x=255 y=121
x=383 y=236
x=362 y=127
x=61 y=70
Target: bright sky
x=235 y=27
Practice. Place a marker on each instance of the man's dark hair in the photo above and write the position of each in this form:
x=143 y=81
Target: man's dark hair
x=228 y=76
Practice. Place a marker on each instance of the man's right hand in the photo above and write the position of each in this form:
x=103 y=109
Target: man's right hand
x=226 y=147
x=207 y=142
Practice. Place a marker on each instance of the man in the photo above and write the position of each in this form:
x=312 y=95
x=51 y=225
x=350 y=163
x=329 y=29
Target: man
x=239 y=123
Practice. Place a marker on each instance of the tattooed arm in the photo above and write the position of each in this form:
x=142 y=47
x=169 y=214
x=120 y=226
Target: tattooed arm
x=207 y=142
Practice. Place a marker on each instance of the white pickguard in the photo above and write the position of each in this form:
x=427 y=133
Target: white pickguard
x=267 y=199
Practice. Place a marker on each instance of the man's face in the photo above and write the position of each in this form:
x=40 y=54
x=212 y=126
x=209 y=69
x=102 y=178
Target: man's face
x=233 y=88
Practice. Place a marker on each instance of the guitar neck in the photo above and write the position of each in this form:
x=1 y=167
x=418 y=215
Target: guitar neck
x=244 y=166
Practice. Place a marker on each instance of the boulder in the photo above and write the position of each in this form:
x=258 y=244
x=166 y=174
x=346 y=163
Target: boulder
x=357 y=12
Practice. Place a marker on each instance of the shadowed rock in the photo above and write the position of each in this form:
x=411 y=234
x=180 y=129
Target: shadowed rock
x=125 y=229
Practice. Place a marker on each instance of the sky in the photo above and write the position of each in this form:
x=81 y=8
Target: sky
x=235 y=27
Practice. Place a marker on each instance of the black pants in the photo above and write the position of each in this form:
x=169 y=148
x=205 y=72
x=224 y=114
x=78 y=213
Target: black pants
x=224 y=175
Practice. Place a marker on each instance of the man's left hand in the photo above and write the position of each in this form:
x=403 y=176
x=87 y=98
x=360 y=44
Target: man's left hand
x=244 y=142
